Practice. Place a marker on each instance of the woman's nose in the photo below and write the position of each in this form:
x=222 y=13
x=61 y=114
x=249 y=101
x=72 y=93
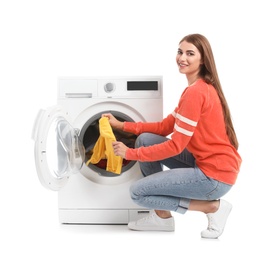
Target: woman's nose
x=179 y=58
x=182 y=56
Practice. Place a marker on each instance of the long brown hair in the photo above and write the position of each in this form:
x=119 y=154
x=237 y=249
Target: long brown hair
x=208 y=73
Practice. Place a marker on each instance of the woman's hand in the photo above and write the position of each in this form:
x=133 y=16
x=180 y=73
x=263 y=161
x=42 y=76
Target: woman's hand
x=119 y=148
x=113 y=121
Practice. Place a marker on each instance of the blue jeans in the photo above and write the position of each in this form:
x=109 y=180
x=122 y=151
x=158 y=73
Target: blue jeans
x=173 y=189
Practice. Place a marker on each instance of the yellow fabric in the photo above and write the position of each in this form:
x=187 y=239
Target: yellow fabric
x=103 y=148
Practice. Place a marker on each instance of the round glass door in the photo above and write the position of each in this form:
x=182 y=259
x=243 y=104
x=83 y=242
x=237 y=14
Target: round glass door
x=64 y=151
x=59 y=152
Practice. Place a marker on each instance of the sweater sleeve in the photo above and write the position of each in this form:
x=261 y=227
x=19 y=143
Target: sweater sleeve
x=156 y=152
x=184 y=121
x=164 y=128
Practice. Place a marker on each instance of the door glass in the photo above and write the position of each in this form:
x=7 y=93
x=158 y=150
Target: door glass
x=65 y=152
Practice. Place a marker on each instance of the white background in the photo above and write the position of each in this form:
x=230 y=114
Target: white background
x=42 y=40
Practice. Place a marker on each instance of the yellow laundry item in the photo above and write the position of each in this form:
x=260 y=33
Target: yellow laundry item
x=103 y=148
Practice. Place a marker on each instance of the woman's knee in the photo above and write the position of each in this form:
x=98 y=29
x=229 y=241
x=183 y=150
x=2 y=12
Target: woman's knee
x=141 y=139
x=133 y=192
x=147 y=139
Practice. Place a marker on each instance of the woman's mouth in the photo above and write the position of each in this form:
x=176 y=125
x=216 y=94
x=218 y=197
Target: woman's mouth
x=182 y=65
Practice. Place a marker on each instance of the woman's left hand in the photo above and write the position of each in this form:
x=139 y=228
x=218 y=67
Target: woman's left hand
x=119 y=148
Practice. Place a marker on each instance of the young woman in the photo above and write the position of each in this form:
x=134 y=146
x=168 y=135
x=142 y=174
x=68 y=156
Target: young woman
x=201 y=154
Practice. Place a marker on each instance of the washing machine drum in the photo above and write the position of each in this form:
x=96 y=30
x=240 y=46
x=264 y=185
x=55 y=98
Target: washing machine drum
x=90 y=135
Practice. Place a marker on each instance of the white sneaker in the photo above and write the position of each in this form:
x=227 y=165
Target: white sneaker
x=217 y=220
x=152 y=223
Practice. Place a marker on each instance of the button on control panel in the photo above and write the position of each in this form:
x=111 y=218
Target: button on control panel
x=109 y=87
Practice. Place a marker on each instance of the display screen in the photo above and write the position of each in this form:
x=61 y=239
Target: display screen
x=142 y=85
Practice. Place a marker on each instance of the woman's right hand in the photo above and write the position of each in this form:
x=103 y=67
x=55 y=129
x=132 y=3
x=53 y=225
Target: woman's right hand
x=113 y=121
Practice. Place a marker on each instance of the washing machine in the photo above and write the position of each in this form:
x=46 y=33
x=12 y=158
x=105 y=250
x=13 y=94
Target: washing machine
x=64 y=136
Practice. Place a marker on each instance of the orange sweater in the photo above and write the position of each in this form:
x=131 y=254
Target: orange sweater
x=198 y=125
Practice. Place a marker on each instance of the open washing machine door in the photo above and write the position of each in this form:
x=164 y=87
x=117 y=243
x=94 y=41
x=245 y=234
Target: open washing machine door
x=58 y=151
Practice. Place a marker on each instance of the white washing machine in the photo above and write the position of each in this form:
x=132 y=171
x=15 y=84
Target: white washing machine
x=65 y=135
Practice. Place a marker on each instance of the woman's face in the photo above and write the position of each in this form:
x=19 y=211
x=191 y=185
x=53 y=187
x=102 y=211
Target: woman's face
x=188 y=59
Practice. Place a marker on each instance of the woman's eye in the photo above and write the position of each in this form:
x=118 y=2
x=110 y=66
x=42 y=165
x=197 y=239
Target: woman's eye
x=179 y=52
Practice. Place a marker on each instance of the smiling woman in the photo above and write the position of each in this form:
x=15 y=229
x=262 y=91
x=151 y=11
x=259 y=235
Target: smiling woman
x=201 y=155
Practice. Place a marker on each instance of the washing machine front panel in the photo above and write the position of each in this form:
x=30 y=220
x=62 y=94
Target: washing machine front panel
x=58 y=151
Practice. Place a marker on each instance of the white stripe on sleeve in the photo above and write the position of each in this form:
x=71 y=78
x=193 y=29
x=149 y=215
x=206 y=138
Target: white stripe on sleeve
x=186 y=120
x=182 y=130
